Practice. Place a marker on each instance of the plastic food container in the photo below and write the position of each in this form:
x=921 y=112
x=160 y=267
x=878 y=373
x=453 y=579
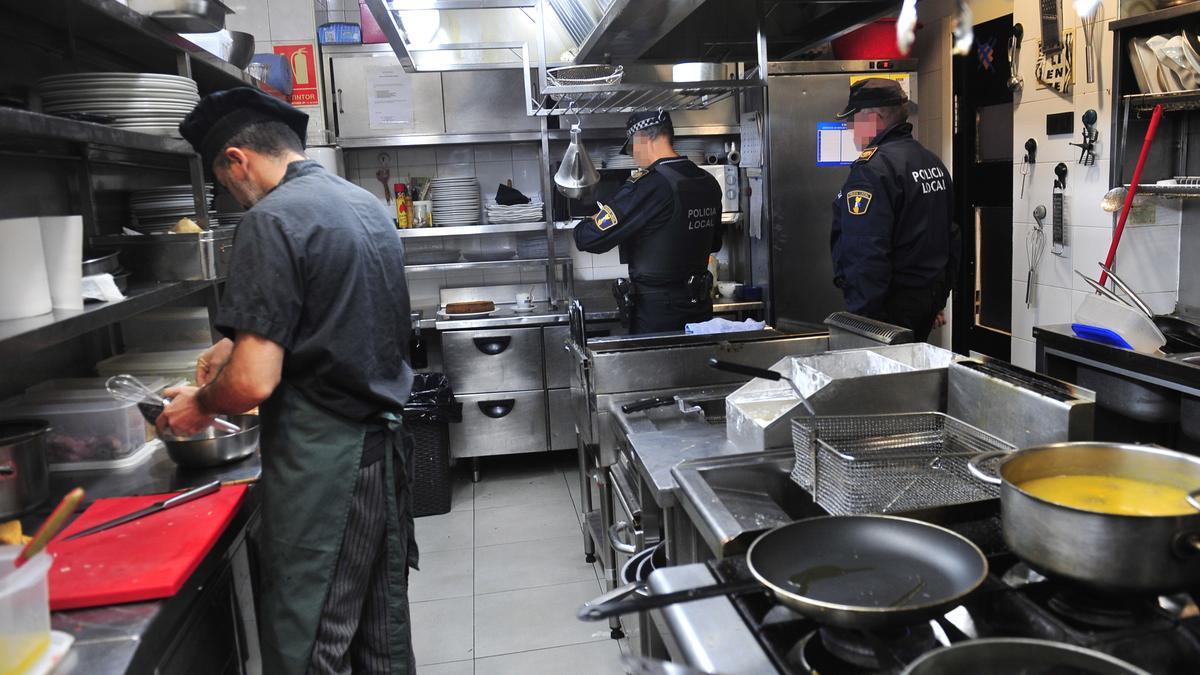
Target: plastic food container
x=96 y=430
x=339 y=33
x=1131 y=324
x=82 y=389
x=174 y=365
x=24 y=610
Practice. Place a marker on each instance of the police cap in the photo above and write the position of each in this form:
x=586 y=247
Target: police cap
x=640 y=121
x=220 y=115
x=873 y=92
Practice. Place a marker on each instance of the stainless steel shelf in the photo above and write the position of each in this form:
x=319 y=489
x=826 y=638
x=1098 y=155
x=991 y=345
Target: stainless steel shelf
x=16 y=125
x=113 y=32
x=593 y=527
x=1174 y=191
x=1168 y=14
x=1170 y=101
x=39 y=332
x=625 y=98
x=468 y=230
x=483 y=264
x=439 y=139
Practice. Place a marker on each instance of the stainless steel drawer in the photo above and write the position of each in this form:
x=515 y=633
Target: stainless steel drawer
x=562 y=420
x=479 y=361
x=502 y=423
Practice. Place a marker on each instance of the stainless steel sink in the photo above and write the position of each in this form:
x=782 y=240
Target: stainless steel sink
x=694 y=411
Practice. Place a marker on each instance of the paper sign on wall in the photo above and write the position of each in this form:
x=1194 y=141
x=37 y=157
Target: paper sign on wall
x=304 y=73
x=389 y=98
x=751 y=140
x=1056 y=69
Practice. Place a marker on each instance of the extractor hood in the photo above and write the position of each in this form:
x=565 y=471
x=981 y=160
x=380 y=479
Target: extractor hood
x=431 y=35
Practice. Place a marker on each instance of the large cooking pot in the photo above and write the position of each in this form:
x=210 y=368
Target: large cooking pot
x=1108 y=552
x=1004 y=656
x=24 y=472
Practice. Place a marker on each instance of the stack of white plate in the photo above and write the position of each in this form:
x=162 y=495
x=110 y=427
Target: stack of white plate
x=157 y=210
x=145 y=102
x=692 y=148
x=517 y=213
x=613 y=159
x=456 y=201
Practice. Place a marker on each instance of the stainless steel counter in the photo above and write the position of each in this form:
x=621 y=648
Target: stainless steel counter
x=137 y=637
x=656 y=453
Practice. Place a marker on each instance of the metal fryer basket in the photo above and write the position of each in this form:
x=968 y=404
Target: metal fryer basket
x=890 y=463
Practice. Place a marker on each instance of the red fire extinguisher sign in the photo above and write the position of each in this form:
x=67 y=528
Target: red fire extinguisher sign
x=304 y=74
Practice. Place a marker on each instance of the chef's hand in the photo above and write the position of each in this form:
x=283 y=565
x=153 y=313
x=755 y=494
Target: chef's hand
x=212 y=361
x=939 y=320
x=182 y=416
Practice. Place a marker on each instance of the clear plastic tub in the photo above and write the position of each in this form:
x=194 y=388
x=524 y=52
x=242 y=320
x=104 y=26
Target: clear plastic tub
x=1131 y=324
x=174 y=365
x=82 y=389
x=93 y=430
x=24 y=610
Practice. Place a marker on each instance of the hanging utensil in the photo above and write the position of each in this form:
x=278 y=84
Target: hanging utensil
x=1155 y=117
x=1035 y=246
x=189 y=496
x=1015 y=81
x=151 y=403
x=963 y=30
x=1027 y=163
x=762 y=374
x=906 y=26
x=1086 y=9
x=577 y=174
x=51 y=527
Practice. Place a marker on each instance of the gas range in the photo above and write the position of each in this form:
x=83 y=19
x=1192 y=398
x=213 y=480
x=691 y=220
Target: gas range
x=1160 y=635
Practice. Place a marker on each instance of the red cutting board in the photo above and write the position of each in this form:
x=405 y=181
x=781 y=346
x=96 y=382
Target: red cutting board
x=147 y=559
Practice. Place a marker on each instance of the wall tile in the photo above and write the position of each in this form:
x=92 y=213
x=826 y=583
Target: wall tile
x=1052 y=270
x=455 y=154
x=1051 y=305
x=1148 y=259
x=1024 y=353
x=292 y=21
x=929 y=93
x=610 y=272
x=493 y=152
x=455 y=170
x=607 y=259
x=463 y=278
x=405 y=171
x=526 y=151
x=491 y=175
x=1088 y=246
x=419 y=155
x=250 y=16
x=1086 y=186
x=583 y=274
x=502 y=276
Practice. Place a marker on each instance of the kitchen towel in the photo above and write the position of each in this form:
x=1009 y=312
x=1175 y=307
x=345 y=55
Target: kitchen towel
x=24 y=285
x=62 y=242
x=719 y=325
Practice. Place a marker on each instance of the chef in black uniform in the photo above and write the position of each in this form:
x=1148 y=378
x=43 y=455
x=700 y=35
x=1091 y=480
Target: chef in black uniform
x=315 y=315
x=894 y=242
x=667 y=220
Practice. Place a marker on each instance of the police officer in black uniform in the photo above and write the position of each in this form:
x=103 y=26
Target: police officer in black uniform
x=894 y=242
x=667 y=220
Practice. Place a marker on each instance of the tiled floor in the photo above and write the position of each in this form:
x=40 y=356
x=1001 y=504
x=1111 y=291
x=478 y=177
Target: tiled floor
x=503 y=574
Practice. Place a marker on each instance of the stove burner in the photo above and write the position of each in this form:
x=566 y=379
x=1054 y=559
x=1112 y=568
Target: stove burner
x=1090 y=609
x=849 y=646
x=837 y=650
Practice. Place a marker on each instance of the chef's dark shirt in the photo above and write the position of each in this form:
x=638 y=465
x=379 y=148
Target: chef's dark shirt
x=317 y=268
x=893 y=224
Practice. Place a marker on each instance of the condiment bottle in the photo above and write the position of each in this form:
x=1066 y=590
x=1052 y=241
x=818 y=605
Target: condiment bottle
x=402 y=213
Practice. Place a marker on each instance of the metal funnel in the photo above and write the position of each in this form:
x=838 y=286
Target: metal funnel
x=577 y=175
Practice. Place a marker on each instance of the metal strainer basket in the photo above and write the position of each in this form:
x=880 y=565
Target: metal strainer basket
x=585 y=74
x=890 y=463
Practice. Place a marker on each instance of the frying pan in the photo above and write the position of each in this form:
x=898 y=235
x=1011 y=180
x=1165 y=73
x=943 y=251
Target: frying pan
x=859 y=572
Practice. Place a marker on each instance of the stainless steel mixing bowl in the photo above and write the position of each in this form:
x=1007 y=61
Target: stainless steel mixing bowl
x=214 y=447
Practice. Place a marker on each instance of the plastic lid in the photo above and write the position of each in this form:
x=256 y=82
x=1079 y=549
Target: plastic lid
x=18 y=430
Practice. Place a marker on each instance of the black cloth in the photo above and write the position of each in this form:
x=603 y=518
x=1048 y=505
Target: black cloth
x=317 y=268
x=640 y=121
x=915 y=308
x=220 y=115
x=873 y=92
x=893 y=226
x=667 y=311
x=666 y=220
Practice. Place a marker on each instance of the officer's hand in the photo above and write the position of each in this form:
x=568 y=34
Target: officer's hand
x=939 y=320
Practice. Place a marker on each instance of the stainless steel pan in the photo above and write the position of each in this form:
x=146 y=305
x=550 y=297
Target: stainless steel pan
x=1108 y=552
x=214 y=447
x=858 y=572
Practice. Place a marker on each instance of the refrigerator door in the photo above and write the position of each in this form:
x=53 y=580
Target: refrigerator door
x=802 y=191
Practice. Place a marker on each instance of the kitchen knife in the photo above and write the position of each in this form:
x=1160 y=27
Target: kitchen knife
x=163 y=505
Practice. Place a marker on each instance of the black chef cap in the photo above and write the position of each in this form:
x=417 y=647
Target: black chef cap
x=220 y=115
x=873 y=92
x=640 y=121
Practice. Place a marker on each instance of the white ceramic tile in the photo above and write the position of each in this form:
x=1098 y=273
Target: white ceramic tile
x=523 y=522
x=538 y=618
x=610 y=272
x=1051 y=306
x=424 y=292
x=607 y=259
x=1148 y=259
x=1023 y=353
x=455 y=154
x=1086 y=186
x=442 y=630
x=583 y=274
x=591 y=658
x=443 y=575
x=464 y=278
x=1029 y=121
x=405 y=173
x=1039 y=188
x=250 y=16
x=527 y=177
x=292 y=21
x=455 y=170
x=417 y=156
x=530 y=564
x=454 y=530
x=493 y=152
x=929 y=94
x=547 y=488
x=451 y=668
x=526 y=151
x=582 y=259
x=502 y=276
x=1052 y=270
x=1160 y=303
x=491 y=175
x=1088 y=246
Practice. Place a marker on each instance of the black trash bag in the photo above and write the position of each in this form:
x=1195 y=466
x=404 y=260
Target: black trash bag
x=432 y=400
x=508 y=196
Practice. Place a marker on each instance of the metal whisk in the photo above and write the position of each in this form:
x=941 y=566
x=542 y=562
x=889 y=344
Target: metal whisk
x=129 y=388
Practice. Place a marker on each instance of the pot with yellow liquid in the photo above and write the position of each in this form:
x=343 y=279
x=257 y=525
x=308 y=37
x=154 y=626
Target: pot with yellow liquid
x=1119 y=518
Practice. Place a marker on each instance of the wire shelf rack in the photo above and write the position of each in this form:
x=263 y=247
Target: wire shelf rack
x=1170 y=101
x=629 y=97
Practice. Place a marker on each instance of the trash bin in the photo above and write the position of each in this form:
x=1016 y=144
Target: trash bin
x=427 y=416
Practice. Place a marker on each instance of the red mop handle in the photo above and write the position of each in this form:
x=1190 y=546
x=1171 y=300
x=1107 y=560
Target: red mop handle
x=1133 y=188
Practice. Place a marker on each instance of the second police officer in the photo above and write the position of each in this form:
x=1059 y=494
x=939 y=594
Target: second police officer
x=667 y=220
x=894 y=242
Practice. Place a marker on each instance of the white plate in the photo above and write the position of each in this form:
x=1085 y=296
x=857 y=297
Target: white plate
x=471 y=315
x=522 y=310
